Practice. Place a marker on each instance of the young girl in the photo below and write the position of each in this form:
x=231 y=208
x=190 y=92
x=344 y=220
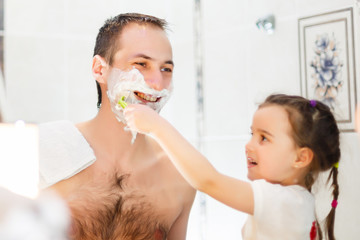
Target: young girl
x=293 y=139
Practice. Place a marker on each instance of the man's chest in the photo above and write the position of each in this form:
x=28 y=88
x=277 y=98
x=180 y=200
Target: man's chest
x=119 y=209
x=151 y=191
x=151 y=176
x=161 y=190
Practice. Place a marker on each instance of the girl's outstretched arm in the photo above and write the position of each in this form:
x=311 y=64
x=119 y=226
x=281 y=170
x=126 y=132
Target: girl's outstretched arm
x=194 y=167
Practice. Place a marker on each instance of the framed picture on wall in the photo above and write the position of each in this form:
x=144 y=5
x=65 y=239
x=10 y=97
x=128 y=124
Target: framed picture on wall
x=2 y=97
x=327 y=63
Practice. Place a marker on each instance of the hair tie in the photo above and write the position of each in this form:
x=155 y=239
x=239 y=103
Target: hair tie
x=313 y=231
x=313 y=103
x=336 y=165
x=334 y=203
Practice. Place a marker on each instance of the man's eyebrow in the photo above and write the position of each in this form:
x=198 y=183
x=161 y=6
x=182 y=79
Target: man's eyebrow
x=141 y=55
x=169 y=62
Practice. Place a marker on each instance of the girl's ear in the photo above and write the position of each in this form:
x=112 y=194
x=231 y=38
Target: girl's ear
x=99 y=68
x=304 y=157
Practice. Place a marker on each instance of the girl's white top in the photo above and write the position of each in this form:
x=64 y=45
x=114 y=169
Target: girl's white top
x=280 y=212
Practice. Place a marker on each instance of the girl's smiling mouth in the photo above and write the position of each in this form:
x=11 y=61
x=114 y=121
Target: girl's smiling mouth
x=251 y=162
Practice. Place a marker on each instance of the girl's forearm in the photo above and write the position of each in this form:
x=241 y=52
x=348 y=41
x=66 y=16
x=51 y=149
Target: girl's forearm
x=194 y=167
x=198 y=171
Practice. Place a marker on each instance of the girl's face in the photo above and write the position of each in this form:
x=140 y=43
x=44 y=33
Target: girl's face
x=271 y=152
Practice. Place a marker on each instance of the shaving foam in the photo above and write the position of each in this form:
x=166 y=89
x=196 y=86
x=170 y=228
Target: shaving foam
x=122 y=86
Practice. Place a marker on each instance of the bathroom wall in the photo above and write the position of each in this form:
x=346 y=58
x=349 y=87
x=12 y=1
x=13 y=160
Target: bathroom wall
x=48 y=54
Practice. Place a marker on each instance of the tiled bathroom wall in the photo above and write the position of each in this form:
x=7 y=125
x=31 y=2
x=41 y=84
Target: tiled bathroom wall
x=48 y=54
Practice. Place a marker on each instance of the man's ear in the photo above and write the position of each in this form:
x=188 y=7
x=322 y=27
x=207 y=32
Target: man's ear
x=304 y=157
x=99 y=68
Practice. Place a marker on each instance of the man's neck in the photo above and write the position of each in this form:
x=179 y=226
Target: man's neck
x=107 y=136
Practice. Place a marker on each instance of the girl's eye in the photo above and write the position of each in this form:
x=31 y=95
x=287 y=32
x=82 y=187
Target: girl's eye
x=263 y=138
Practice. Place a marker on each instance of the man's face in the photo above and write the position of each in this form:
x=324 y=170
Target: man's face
x=142 y=69
x=146 y=48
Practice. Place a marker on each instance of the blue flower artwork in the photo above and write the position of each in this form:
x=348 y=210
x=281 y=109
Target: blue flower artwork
x=327 y=69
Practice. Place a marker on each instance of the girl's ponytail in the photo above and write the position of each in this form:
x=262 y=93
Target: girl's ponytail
x=330 y=219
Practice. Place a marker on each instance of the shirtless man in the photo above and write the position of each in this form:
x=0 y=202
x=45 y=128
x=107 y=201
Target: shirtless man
x=131 y=191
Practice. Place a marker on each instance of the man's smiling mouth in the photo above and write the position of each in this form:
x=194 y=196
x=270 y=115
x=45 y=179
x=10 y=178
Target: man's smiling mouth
x=146 y=97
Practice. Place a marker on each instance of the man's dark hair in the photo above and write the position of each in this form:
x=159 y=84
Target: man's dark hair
x=106 y=41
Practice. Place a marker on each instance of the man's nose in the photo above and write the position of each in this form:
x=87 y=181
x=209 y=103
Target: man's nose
x=155 y=80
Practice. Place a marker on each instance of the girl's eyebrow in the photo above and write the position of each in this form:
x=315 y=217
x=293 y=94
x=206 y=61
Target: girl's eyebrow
x=266 y=132
x=262 y=131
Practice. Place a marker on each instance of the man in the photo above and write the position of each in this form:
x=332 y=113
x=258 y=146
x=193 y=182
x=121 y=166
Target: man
x=119 y=189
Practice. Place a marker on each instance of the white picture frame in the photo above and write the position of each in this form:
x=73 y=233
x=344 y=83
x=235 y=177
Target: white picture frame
x=2 y=98
x=327 y=63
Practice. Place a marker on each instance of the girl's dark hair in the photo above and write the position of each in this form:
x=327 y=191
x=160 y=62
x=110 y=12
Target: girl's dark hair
x=314 y=126
x=107 y=43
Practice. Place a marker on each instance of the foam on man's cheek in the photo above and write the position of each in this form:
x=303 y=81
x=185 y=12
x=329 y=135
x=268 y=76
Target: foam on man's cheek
x=125 y=84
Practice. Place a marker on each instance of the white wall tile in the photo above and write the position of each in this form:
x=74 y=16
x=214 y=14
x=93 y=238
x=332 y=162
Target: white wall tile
x=80 y=84
x=225 y=84
x=222 y=16
x=34 y=73
x=281 y=9
x=273 y=62
x=228 y=157
x=87 y=16
x=181 y=109
x=320 y=6
x=180 y=19
x=222 y=222
x=41 y=16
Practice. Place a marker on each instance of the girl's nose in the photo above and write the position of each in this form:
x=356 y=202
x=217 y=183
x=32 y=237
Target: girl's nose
x=249 y=146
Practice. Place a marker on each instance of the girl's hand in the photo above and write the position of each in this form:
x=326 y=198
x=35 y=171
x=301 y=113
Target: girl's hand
x=141 y=118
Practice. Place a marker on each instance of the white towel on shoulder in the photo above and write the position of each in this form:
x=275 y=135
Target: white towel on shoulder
x=63 y=152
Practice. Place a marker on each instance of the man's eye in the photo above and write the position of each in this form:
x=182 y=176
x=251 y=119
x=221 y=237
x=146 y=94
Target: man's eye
x=141 y=64
x=166 y=69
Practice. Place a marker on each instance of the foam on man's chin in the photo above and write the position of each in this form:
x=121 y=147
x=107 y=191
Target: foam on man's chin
x=125 y=84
